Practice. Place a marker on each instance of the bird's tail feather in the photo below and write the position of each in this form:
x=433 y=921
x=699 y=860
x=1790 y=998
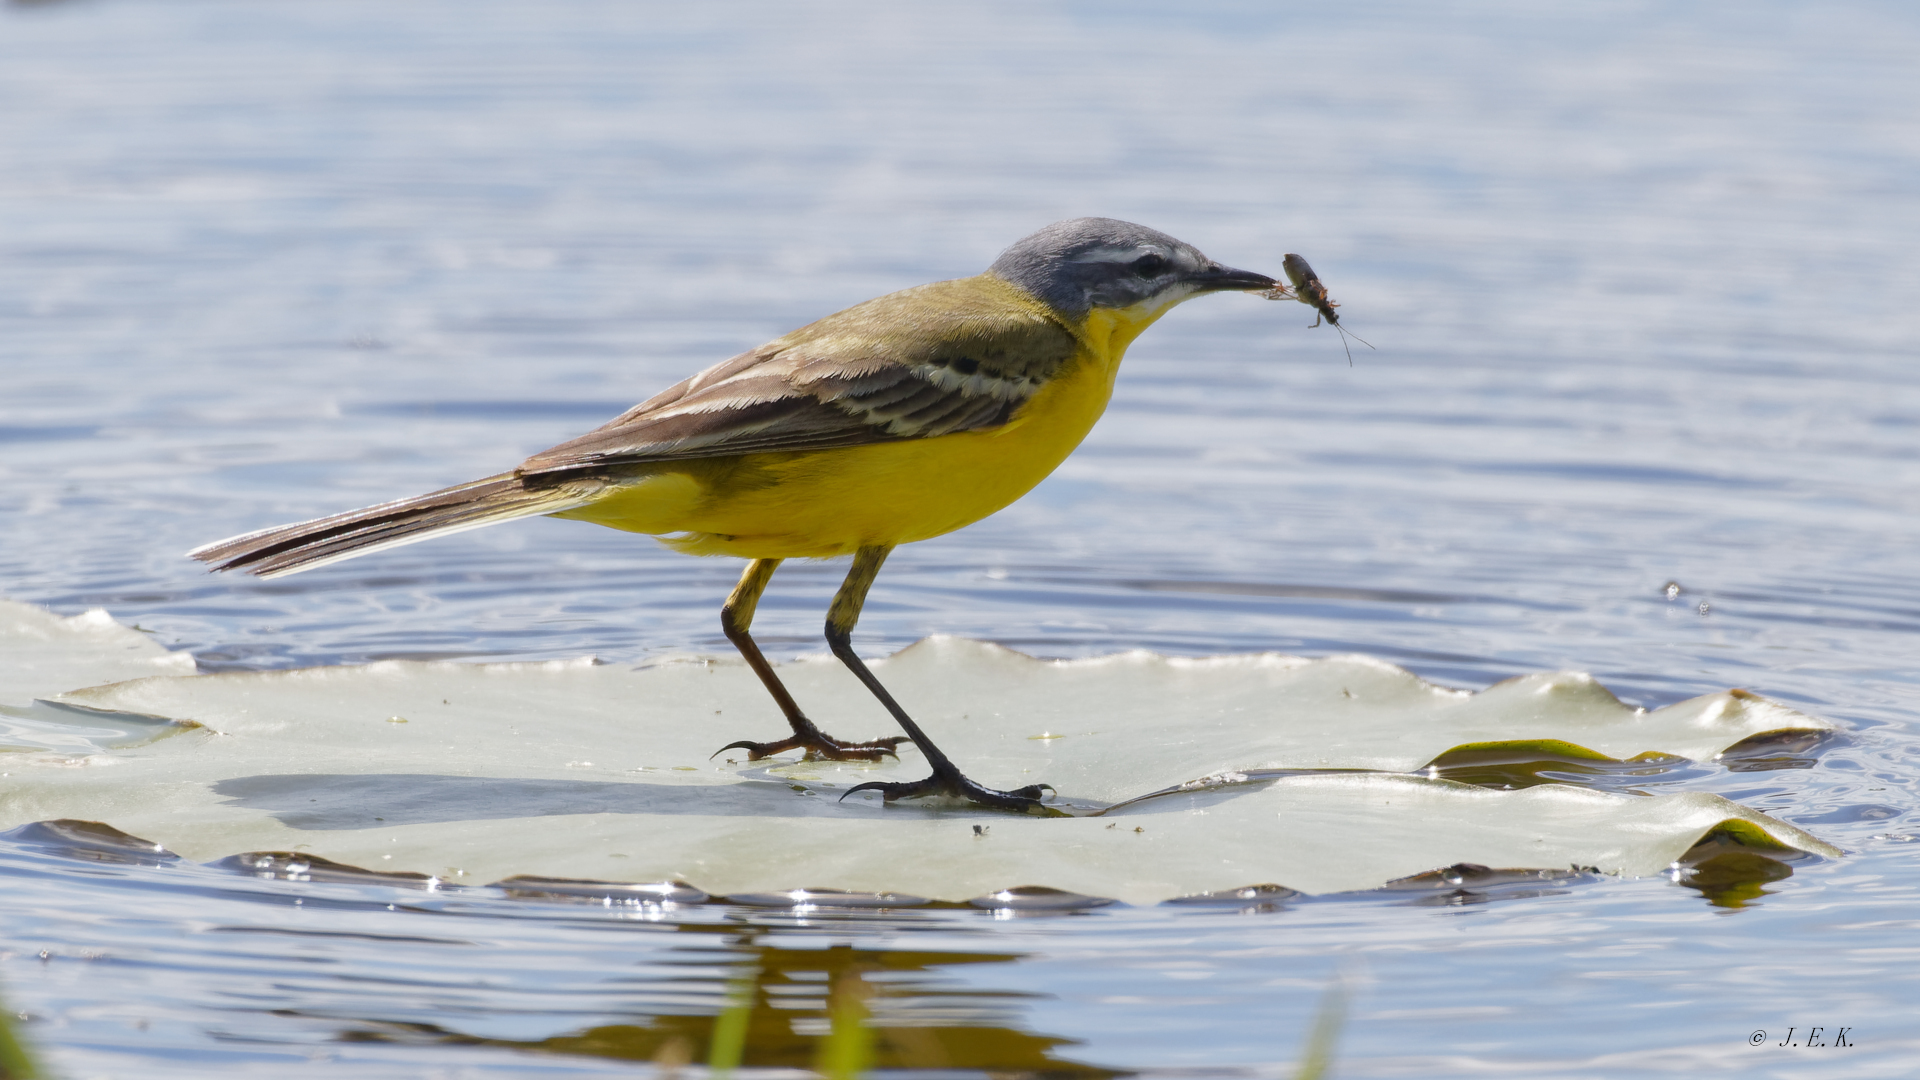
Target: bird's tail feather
x=289 y=549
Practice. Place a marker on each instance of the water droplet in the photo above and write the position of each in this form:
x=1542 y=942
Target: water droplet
x=1672 y=589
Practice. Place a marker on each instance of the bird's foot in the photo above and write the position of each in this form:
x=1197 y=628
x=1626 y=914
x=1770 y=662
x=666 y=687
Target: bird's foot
x=953 y=785
x=818 y=744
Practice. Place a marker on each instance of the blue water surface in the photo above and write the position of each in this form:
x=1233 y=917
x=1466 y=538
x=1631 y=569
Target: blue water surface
x=1639 y=277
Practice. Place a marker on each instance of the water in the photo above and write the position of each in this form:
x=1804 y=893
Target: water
x=1640 y=289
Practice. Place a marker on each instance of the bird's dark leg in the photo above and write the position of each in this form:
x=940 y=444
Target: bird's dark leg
x=946 y=779
x=735 y=618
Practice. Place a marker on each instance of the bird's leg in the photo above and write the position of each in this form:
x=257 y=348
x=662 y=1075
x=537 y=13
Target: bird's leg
x=735 y=618
x=946 y=779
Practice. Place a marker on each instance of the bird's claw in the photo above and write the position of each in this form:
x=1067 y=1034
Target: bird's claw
x=816 y=747
x=1024 y=800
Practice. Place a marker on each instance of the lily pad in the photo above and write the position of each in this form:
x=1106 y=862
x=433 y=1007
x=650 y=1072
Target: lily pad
x=42 y=654
x=1318 y=833
x=1104 y=729
x=578 y=770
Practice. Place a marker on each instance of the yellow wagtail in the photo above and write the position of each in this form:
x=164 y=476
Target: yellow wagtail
x=895 y=420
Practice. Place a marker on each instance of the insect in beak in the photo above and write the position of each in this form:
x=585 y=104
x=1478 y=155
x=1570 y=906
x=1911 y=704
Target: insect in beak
x=1308 y=289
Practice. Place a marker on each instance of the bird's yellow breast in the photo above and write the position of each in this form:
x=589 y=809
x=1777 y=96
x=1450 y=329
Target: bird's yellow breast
x=821 y=503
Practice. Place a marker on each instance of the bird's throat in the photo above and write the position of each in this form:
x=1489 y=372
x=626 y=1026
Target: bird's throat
x=1108 y=331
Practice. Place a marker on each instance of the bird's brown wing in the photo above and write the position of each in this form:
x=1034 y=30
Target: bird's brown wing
x=947 y=357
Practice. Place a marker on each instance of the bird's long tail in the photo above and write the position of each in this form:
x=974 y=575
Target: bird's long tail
x=289 y=549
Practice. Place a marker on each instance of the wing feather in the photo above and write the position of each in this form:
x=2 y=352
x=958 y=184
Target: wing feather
x=909 y=365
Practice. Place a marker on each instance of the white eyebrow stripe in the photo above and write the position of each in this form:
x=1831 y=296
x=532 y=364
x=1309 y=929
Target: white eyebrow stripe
x=1113 y=254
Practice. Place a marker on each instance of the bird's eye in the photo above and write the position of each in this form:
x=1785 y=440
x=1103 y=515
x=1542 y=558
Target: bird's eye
x=1149 y=265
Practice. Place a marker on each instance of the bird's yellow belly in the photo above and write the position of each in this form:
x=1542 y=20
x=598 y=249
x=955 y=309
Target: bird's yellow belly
x=821 y=503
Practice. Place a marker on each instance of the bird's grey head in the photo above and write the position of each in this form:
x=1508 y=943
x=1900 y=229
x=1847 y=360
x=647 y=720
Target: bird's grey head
x=1086 y=263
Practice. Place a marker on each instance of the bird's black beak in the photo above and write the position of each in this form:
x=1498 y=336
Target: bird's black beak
x=1217 y=278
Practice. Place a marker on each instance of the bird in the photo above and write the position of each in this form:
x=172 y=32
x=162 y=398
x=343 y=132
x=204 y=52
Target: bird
x=896 y=420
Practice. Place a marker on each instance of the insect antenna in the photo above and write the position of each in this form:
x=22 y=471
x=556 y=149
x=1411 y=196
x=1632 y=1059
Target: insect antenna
x=1344 y=335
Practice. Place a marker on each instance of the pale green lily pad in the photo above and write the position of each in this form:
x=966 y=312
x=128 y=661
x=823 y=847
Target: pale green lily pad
x=579 y=770
x=43 y=654
x=1103 y=730
x=69 y=733
x=1318 y=833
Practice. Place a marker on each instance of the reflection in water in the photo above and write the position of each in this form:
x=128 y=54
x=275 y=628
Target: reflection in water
x=400 y=970
x=1470 y=883
x=1734 y=879
x=790 y=1006
x=1730 y=865
x=673 y=977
